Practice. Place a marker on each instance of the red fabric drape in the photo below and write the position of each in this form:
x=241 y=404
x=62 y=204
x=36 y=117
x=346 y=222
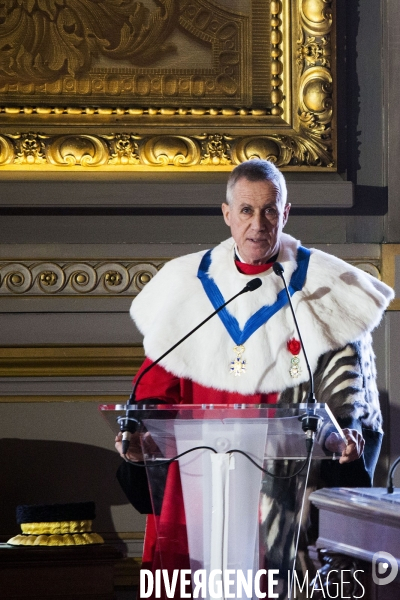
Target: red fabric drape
x=159 y=383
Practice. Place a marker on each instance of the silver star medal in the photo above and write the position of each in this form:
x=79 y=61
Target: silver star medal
x=295 y=369
x=238 y=365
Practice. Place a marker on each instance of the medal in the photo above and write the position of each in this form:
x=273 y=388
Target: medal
x=295 y=369
x=294 y=348
x=238 y=365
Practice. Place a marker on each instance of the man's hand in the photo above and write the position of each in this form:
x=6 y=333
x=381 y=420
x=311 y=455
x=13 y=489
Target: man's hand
x=134 y=451
x=351 y=451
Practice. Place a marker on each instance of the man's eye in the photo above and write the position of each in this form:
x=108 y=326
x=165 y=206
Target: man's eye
x=270 y=211
x=246 y=210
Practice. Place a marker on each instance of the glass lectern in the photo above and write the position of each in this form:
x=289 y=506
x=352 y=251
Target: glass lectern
x=238 y=518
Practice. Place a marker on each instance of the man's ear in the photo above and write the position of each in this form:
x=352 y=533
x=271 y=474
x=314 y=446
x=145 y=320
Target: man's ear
x=286 y=211
x=226 y=211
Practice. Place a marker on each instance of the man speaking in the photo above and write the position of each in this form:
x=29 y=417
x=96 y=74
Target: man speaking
x=250 y=352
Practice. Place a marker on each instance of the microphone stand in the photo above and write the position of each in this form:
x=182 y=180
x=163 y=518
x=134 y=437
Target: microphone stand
x=129 y=425
x=310 y=420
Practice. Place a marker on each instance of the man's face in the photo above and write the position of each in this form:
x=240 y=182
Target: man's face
x=256 y=217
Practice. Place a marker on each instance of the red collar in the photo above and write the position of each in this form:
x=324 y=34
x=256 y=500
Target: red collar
x=247 y=269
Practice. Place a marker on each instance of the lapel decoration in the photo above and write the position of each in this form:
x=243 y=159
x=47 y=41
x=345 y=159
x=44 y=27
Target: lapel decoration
x=294 y=348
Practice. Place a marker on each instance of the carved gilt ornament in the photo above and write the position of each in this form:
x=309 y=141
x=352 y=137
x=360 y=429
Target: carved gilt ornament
x=194 y=84
x=90 y=277
x=76 y=278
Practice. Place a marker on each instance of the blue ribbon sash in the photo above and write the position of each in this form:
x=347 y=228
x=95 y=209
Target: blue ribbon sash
x=238 y=335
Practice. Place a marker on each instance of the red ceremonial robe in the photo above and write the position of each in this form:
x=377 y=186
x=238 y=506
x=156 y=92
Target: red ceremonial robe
x=169 y=549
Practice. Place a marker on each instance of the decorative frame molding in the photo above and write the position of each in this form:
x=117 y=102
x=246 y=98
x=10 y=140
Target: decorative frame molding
x=68 y=278
x=267 y=89
x=88 y=277
x=66 y=362
x=70 y=361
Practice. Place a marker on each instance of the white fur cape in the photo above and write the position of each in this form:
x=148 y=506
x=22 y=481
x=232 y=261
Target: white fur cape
x=337 y=305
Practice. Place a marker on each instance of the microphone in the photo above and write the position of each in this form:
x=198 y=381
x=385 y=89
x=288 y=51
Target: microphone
x=278 y=269
x=310 y=421
x=254 y=284
x=129 y=426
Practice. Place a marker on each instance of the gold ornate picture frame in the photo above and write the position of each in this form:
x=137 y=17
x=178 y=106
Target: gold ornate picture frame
x=123 y=85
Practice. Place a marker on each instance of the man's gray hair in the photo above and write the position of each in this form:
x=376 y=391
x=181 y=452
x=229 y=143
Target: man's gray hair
x=256 y=170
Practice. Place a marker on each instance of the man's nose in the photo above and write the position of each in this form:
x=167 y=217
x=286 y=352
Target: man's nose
x=258 y=221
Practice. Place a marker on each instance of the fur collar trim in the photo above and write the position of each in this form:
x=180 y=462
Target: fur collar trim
x=337 y=305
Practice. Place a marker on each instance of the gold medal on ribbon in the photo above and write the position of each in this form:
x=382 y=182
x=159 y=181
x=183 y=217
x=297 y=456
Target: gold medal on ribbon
x=238 y=365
